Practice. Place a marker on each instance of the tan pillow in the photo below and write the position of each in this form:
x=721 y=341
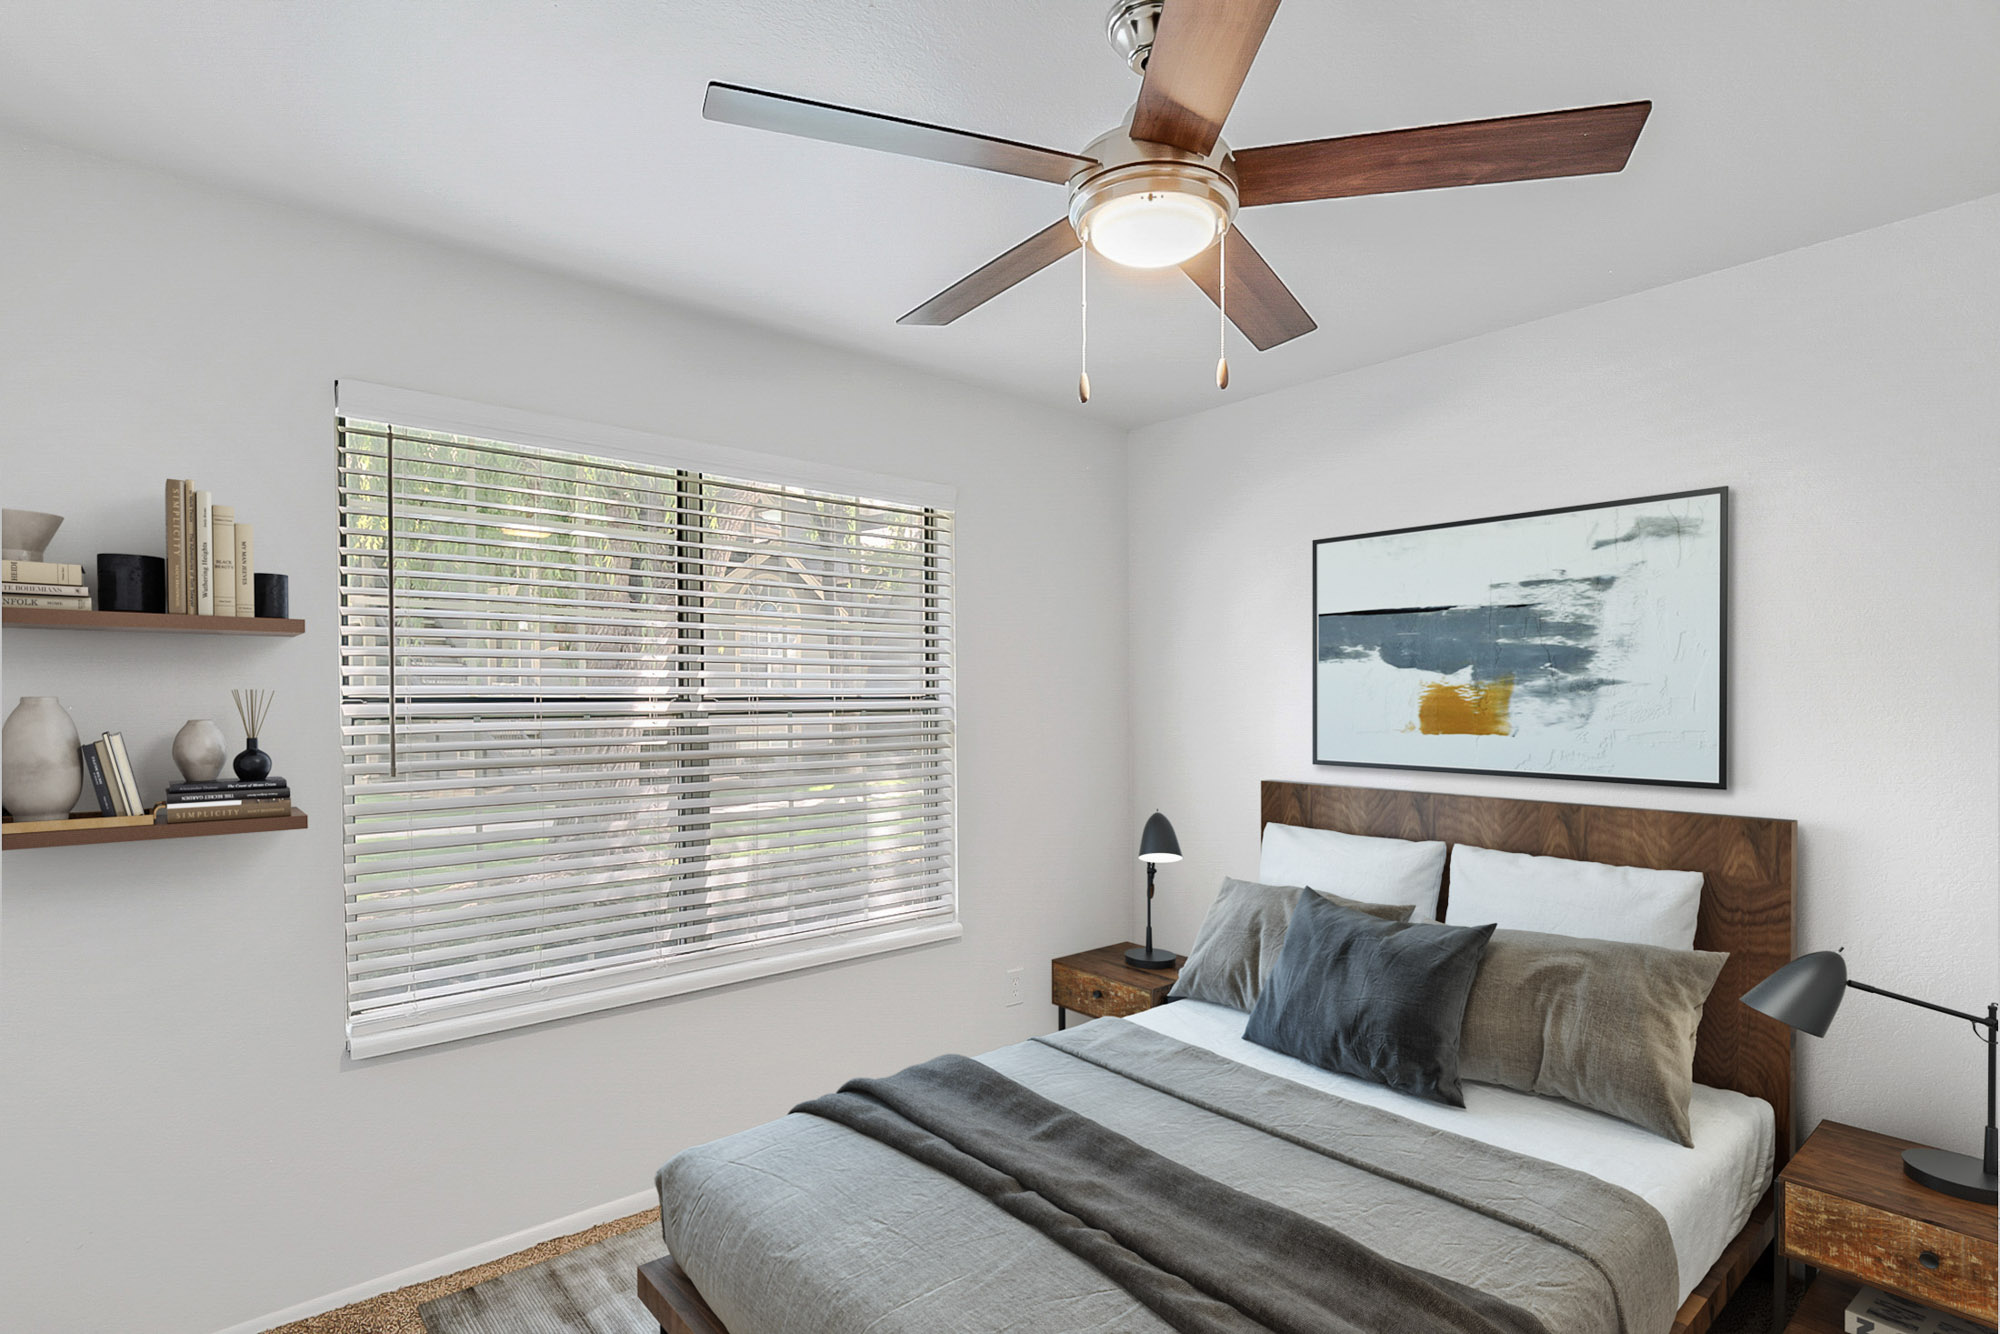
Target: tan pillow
x=1238 y=944
x=1600 y=1023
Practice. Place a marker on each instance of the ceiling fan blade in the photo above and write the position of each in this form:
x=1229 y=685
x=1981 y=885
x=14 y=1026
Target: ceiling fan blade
x=1473 y=152
x=888 y=134
x=1259 y=303
x=1201 y=52
x=992 y=278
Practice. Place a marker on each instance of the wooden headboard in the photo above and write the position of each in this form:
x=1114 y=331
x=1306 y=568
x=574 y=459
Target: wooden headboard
x=1746 y=896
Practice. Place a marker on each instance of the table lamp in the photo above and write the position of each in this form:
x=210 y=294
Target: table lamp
x=1157 y=844
x=1806 y=993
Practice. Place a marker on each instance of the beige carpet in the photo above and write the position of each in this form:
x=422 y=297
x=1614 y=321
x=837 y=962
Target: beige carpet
x=396 y=1312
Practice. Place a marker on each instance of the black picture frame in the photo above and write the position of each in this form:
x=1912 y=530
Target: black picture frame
x=1723 y=668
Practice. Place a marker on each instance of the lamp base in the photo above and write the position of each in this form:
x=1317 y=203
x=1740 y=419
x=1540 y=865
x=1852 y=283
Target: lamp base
x=1957 y=1174
x=1151 y=958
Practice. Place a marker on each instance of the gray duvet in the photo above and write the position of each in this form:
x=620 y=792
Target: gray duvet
x=806 y=1225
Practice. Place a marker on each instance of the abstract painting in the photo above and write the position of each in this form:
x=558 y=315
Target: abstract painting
x=1587 y=642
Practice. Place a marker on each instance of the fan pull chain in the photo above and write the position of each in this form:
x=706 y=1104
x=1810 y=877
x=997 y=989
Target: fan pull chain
x=1222 y=313
x=1083 y=326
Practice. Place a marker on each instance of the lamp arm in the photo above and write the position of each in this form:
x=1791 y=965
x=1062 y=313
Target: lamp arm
x=1986 y=1021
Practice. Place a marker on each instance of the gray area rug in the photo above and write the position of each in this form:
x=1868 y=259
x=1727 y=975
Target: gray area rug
x=591 y=1291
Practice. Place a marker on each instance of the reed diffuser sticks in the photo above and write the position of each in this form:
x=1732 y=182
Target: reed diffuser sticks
x=253 y=707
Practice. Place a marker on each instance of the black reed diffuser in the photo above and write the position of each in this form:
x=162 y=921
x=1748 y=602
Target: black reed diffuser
x=253 y=707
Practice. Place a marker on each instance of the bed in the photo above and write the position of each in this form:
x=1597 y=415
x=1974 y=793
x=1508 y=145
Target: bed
x=1545 y=1205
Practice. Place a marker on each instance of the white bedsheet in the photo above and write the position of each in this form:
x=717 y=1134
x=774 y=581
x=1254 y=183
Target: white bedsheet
x=1705 y=1193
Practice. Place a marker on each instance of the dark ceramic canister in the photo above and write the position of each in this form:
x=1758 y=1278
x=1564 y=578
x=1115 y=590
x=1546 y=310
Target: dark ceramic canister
x=274 y=595
x=131 y=583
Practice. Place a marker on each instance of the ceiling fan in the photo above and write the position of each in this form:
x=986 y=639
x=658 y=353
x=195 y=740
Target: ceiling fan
x=1163 y=188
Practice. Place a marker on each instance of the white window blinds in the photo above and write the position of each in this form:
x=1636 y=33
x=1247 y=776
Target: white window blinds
x=615 y=730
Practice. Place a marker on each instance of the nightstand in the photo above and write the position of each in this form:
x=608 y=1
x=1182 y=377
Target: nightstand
x=1099 y=982
x=1845 y=1208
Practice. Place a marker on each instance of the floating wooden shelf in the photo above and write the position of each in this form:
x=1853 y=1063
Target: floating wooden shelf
x=52 y=618
x=138 y=833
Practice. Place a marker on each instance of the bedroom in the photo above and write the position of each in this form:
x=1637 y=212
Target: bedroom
x=214 y=213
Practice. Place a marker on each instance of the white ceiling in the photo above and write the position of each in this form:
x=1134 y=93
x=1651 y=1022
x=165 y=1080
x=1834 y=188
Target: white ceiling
x=569 y=134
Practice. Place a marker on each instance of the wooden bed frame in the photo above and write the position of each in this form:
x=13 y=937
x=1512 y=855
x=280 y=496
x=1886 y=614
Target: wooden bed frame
x=1746 y=910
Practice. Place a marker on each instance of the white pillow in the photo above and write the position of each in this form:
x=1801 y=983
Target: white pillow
x=1572 y=898
x=1373 y=870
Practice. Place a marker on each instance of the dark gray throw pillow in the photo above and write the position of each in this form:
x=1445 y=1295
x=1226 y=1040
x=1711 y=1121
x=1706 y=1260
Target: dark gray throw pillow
x=1377 y=1000
x=1238 y=944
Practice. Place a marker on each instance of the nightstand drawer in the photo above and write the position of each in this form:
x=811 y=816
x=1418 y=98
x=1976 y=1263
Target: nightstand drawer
x=1096 y=996
x=1936 y=1266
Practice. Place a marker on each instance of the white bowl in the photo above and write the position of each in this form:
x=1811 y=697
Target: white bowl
x=25 y=534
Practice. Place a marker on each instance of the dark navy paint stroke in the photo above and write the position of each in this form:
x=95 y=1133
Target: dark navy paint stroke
x=1494 y=642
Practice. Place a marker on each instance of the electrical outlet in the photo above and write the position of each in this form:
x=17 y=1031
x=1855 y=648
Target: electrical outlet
x=1014 y=985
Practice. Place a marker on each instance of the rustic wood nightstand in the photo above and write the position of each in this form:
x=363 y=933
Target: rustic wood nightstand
x=1099 y=982
x=1845 y=1208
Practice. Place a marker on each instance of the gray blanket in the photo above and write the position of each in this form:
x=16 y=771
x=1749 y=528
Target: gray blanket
x=1206 y=1258
x=805 y=1225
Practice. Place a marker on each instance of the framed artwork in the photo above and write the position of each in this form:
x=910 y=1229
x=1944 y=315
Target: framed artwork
x=1588 y=642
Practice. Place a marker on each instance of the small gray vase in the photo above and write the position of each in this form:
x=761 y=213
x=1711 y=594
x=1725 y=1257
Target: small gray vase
x=199 y=750
x=41 y=773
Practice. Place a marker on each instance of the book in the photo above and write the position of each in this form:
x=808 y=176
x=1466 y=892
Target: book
x=41 y=572
x=93 y=771
x=134 y=803
x=245 y=785
x=108 y=765
x=174 y=812
x=81 y=820
x=45 y=590
x=204 y=553
x=190 y=549
x=31 y=600
x=246 y=582
x=219 y=798
x=223 y=520
x=1876 y=1312
x=176 y=547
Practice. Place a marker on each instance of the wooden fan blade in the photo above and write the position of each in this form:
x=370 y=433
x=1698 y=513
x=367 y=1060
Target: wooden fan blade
x=1201 y=52
x=888 y=134
x=1259 y=302
x=1474 y=152
x=989 y=280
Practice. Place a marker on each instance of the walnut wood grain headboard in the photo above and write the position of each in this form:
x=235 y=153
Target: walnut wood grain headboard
x=1746 y=897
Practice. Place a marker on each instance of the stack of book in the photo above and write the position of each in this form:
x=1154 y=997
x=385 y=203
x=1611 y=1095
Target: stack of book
x=109 y=769
x=232 y=800
x=209 y=565
x=40 y=583
x=1874 y=1311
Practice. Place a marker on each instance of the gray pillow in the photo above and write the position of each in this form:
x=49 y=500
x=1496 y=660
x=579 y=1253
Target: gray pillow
x=1604 y=1024
x=1238 y=944
x=1378 y=1000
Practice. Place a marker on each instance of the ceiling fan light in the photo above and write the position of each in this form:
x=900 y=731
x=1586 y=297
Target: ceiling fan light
x=1153 y=230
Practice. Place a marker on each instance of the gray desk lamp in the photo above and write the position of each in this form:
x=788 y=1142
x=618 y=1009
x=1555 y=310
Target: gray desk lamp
x=1157 y=844
x=1806 y=993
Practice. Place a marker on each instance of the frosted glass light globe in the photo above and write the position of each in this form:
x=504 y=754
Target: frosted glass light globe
x=1153 y=230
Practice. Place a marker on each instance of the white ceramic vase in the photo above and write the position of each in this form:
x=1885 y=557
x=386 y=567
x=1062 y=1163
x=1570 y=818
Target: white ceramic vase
x=199 y=750
x=25 y=534
x=41 y=774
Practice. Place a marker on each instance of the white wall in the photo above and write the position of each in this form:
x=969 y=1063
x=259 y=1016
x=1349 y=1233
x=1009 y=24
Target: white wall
x=1848 y=394
x=182 y=1145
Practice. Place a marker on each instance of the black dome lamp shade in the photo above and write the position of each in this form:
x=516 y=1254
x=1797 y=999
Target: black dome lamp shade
x=1157 y=844
x=1806 y=993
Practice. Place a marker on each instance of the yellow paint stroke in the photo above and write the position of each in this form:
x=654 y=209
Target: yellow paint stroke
x=1478 y=708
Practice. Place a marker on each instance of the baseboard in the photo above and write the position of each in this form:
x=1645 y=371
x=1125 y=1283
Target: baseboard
x=451 y=1264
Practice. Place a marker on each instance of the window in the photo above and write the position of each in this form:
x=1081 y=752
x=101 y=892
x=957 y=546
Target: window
x=617 y=729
